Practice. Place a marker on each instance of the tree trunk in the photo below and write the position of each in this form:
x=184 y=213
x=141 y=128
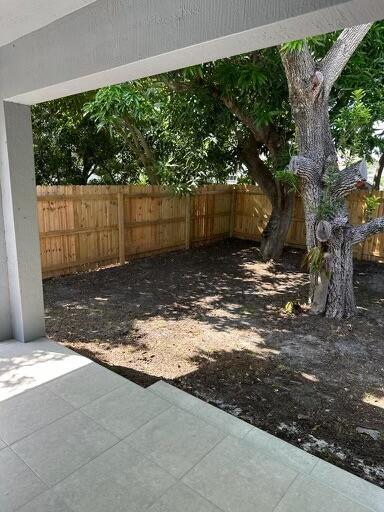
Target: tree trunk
x=261 y=139
x=282 y=201
x=341 y=298
x=379 y=173
x=325 y=186
x=333 y=293
x=275 y=233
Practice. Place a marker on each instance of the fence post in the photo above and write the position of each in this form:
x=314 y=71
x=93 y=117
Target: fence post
x=233 y=211
x=188 y=221
x=120 y=217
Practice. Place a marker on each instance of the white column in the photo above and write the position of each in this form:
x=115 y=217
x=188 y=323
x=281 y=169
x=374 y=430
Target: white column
x=5 y=310
x=18 y=190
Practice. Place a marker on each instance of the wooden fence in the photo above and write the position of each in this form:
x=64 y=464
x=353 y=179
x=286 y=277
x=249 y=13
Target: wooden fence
x=252 y=210
x=83 y=227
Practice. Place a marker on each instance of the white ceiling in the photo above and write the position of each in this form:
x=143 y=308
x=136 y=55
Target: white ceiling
x=19 y=17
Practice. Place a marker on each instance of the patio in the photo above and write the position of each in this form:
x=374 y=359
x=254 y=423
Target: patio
x=75 y=437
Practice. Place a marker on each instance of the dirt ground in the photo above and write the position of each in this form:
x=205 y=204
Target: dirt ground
x=211 y=321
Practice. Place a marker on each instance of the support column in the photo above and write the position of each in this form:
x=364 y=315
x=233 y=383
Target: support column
x=18 y=190
x=5 y=310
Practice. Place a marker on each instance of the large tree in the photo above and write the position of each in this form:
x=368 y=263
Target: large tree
x=325 y=185
x=251 y=90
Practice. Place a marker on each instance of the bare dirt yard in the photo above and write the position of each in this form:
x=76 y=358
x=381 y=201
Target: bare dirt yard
x=211 y=321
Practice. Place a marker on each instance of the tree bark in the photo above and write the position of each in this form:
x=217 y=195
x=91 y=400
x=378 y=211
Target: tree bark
x=282 y=201
x=379 y=173
x=275 y=233
x=141 y=149
x=324 y=186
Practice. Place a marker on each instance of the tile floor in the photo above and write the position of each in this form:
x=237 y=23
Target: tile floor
x=75 y=437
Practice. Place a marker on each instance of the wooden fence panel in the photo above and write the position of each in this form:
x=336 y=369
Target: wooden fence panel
x=82 y=227
x=210 y=213
x=252 y=210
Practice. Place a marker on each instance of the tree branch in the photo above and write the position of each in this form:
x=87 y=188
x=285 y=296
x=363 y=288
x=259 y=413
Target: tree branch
x=246 y=120
x=259 y=170
x=300 y=69
x=360 y=233
x=304 y=167
x=337 y=57
x=379 y=173
x=351 y=178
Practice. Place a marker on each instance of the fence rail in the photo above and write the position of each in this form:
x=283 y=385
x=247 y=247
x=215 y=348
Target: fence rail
x=83 y=227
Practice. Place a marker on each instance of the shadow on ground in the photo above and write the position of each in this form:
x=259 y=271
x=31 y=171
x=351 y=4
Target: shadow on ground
x=211 y=321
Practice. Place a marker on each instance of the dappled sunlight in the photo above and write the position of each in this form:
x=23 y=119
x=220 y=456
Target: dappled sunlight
x=310 y=377
x=24 y=366
x=212 y=321
x=374 y=399
x=225 y=298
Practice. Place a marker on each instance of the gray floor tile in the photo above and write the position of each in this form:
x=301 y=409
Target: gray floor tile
x=25 y=366
x=175 y=440
x=25 y=413
x=46 y=502
x=14 y=348
x=350 y=485
x=86 y=384
x=2 y=444
x=18 y=484
x=282 y=451
x=173 y=394
x=310 y=496
x=181 y=498
x=125 y=409
x=119 y=480
x=60 y=448
x=212 y=415
x=237 y=478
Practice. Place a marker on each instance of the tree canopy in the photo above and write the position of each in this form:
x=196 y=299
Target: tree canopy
x=202 y=123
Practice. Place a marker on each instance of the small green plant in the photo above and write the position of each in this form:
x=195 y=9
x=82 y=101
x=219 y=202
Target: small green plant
x=292 y=307
x=292 y=181
x=328 y=204
x=293 y=46
x=314 y=260
x=288 y=308
x=371 y=204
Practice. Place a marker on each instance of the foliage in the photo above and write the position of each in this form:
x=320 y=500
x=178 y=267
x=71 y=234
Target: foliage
x=244 y=98
x=372 y=202
x=170 y=136
x=314 y=260
x=185 y=132
x=364 y=72
x=353 y=126
x=328 y=205
x=292 y=181
x=293 y=46
x=69 y=149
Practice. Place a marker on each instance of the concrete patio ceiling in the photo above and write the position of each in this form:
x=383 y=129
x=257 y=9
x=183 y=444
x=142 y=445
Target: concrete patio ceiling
x=19 y=17
x=75 y=437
